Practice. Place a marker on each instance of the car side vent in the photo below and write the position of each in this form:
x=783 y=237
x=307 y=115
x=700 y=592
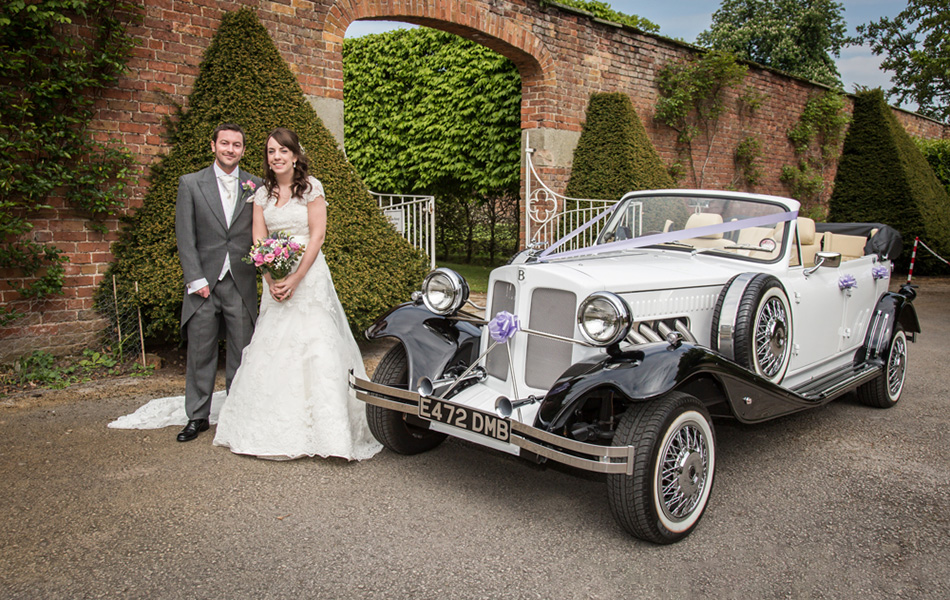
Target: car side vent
x=644 y=332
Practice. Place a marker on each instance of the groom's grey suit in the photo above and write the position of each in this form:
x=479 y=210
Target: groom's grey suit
x=204 y=240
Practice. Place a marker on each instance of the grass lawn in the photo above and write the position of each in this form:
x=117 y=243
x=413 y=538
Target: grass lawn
x=475 y=275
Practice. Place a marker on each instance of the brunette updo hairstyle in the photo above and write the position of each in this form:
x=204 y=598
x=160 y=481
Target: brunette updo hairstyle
x=288 y=139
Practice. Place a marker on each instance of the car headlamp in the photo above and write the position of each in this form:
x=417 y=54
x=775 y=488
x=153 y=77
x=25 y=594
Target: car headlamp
x=444 y=291
x=604 y=318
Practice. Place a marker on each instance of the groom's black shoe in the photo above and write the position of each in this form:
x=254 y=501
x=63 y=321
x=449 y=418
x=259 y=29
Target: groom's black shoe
x=192 y=429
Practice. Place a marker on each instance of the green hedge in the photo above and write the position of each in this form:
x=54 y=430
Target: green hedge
x=883 y=178
x=614 y=155
x=244 y=80
x=937 y=153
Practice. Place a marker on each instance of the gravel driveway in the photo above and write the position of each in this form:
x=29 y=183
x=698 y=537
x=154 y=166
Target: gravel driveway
x=839 y=502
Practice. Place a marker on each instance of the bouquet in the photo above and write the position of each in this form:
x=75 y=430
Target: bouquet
x=275 y=254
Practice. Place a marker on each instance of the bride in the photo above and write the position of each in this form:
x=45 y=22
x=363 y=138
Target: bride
x=290 y=398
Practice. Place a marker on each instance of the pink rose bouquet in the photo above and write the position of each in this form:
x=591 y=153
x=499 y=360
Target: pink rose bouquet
x=275 y=254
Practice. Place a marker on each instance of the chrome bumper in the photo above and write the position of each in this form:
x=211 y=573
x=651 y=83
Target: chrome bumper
x=602 y=459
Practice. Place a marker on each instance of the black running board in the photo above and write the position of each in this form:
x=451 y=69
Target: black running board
x=837 y=383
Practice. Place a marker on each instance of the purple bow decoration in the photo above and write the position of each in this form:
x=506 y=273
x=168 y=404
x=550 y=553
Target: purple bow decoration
x=847 y=282
x=503 y=327
x=880 y=272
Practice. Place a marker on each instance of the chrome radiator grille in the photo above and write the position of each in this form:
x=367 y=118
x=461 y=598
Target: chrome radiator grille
x=552 y=311
x=503 y=298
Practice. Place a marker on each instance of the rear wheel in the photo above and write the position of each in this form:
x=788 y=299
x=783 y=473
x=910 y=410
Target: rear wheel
x=392 y=428
x=674 y=464
x=885 y=391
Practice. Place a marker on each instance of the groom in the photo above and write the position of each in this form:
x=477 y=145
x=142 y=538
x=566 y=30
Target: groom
x=213 y=229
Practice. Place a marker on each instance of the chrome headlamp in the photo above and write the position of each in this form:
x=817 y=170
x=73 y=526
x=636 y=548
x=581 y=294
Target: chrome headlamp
x=444 y=291
x=604 y=318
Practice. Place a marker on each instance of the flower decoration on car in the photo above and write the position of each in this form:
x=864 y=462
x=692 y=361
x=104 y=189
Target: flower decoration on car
x=503 y=327
x=880 y=272
x=847 y=282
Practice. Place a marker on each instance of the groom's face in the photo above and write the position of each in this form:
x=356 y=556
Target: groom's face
x=228 y=149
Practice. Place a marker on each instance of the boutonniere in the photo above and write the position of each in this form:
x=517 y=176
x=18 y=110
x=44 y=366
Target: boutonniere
x=247 y=188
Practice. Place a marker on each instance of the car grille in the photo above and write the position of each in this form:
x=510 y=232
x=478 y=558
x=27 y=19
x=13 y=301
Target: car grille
x=503 y=299
x=552 y=311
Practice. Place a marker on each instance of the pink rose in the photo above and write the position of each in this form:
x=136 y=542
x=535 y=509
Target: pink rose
x=269 y=257
x=258 y=260
x=294 y=246
x=286 y=253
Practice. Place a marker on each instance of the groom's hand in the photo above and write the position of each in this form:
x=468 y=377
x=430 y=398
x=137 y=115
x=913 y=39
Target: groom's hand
x=204 y=292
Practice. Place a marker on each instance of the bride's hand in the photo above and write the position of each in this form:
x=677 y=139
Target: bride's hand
x=284 y=289
x=270 y=286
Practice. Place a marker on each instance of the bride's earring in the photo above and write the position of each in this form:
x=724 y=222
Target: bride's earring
x=295 y=164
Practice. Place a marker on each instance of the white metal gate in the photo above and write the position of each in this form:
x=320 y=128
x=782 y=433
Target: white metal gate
x=413 y=217
x=550 y=216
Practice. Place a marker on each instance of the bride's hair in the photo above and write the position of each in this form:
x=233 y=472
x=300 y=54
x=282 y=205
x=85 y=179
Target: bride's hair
x=301 y=182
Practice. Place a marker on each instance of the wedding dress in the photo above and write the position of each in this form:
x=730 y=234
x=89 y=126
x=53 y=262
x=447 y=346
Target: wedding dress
x=290 y=398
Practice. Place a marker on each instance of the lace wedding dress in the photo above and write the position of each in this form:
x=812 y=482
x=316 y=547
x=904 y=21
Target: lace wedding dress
x=290 y=397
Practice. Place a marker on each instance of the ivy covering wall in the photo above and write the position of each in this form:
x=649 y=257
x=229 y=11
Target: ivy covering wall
x=56 y=56
x=244 y=80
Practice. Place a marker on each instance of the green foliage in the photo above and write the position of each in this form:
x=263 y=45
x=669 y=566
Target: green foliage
x=693 y=95
x=883 y=178
x=52 y=74
x=475 y=275
x=243 y=79
x=602 y=10
x=614 y=155
x=816 y=138
x=937 y=153
x=428 y=112
x=748 y=157
x=797 y=37
x=42 y=369
x=916 y=51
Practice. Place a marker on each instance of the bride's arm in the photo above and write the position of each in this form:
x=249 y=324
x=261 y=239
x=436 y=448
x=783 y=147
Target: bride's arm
x=317 y=222
x=259 y=232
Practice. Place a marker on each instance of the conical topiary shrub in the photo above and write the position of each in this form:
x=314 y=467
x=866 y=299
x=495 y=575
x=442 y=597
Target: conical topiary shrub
x=883 y=178
x=244 y=80
x=614 y=155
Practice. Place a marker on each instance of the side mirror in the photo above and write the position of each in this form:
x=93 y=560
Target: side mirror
x=824 y=259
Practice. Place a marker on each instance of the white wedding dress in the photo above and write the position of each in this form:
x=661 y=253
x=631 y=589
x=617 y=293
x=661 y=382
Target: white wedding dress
x=290 y=398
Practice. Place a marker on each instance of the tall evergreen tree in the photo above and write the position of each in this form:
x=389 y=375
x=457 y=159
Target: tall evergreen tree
x=882 y=177
x=243 y=79
x=614 y=155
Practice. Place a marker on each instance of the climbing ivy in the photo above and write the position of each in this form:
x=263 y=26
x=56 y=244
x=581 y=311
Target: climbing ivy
x=816 y=138
x=56 y=56
x=693 y=95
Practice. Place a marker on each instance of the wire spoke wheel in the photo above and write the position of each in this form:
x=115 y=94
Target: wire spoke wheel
x=673 y=468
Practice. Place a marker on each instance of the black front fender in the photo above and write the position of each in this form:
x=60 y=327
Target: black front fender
x=647 y=372
x=893 y=308
x=432 y=342
x=653 y=370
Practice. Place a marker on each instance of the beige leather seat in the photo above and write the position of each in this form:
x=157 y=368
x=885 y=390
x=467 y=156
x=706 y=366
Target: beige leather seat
x=849 y=247
x=714 y=240
x=809 y=240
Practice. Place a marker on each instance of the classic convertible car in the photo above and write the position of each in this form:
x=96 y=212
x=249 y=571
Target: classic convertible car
x=615 y=357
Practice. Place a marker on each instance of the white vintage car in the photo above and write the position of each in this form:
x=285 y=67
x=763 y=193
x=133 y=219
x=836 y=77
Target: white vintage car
x=615 y=356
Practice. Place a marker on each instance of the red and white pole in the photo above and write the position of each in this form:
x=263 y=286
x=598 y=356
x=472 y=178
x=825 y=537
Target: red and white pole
x=913 y=255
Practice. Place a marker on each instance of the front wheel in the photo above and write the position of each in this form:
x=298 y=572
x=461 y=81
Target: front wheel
x=673 y=468
x=393 y=428
x=885 y=391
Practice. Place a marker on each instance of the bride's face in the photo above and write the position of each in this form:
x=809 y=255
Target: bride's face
x=280 y=158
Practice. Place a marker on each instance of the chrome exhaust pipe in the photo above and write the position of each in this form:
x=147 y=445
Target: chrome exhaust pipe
x=504 y=407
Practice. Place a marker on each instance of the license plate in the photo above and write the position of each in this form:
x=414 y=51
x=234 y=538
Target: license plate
x=475 y=421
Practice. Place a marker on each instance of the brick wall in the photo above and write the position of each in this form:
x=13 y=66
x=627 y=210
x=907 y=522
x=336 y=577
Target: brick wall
x=563 y=56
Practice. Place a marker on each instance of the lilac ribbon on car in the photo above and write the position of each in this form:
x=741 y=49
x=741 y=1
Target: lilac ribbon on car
x=880 y=272
x=503 y=327
x=847 y=282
